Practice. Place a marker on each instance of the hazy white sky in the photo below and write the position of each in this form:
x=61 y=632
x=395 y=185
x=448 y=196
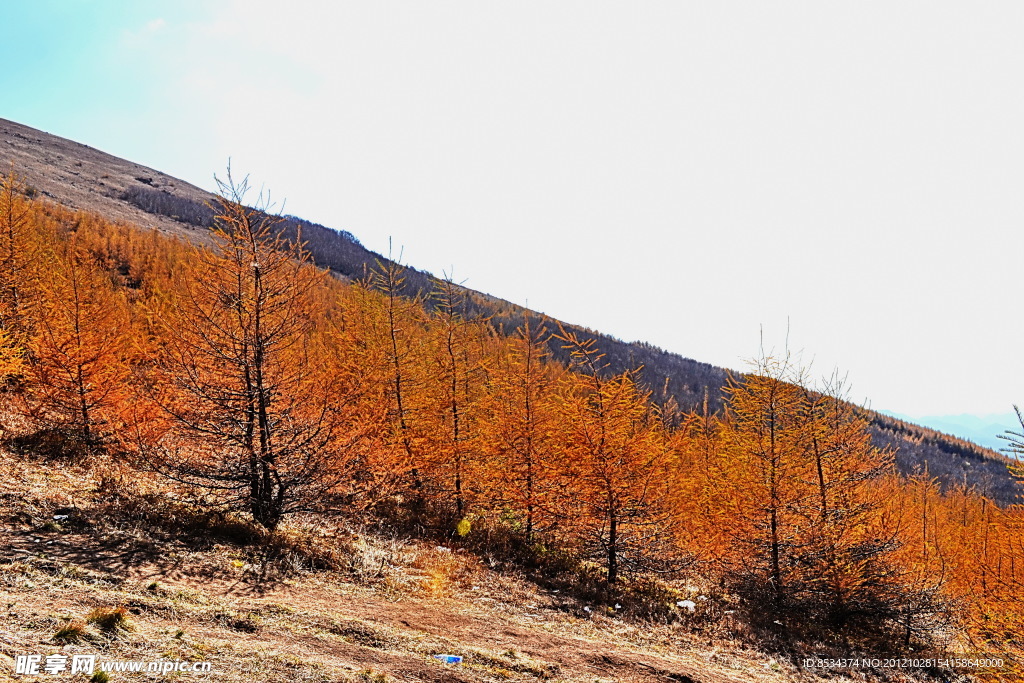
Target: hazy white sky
x=682 y=173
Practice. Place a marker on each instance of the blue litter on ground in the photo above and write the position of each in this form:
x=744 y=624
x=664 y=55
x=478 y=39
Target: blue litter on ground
x=449 y=659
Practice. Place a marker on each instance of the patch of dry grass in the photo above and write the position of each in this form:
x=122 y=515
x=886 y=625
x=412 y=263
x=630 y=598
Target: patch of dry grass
x=318 y=601
x=110 y=620
x=74 y=631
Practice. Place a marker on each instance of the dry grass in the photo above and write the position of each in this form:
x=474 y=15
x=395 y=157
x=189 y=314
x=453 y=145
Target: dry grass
x=110 y=620
x=442 y=569
x=72 y=632
x=319 y=601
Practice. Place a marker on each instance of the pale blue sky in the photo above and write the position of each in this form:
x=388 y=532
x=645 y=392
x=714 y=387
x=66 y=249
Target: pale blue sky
x=681 y=173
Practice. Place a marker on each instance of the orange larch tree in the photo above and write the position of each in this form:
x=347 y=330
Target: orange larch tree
x=243 y=404
x=615 y=466
x=847 y=577
x=761 y=474
x=395 y=327
x=455 y=393
x=81 y=348
x=19 y=250
x=520 y=420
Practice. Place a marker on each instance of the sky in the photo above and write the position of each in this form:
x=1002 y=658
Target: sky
x=844 y=176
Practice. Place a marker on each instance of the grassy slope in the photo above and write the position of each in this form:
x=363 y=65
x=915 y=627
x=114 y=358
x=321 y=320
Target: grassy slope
x=260 y=612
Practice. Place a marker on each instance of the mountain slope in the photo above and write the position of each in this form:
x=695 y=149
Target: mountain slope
x=81 y=177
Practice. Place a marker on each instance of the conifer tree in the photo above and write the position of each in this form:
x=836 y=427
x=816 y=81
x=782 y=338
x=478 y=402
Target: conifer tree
x=845 y=562
x=80 y=349
x=397 y=332
x=245 y=406
x=521 y=421
x=765 y=448
x=1015 y=446
x=456 y=392
x=615 y=474
x=17 y=252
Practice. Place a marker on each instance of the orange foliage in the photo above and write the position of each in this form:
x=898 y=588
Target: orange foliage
x=249 y=401
x=18 y=250
x=80 y=349
x=520 y=430
x=272 y=388
x=614 y=466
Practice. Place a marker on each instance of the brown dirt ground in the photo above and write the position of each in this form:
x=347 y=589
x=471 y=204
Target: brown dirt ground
x=338 y=627
x=404 y=602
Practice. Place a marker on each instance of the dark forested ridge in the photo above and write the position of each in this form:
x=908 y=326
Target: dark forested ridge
x=82 y=177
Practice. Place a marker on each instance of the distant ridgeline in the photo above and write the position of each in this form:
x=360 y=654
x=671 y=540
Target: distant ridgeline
x=670 y=377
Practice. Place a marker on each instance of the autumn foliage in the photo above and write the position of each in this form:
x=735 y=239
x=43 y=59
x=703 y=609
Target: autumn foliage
x=262 y=385
x=243 y=394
